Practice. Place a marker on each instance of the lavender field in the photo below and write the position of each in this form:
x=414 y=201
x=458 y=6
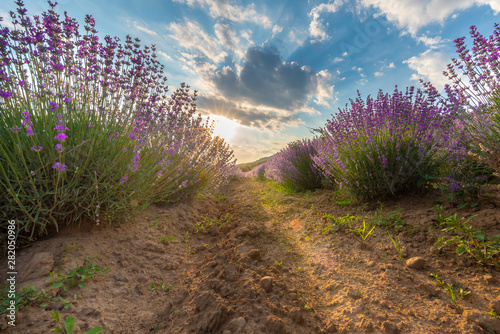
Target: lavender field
x=395 y=192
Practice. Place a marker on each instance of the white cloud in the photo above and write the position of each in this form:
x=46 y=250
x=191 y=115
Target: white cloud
x=223 y=9
x=191 y=35
x=391 y=65
x=378 y=74
x=316 y=27
x=432 y=42
x=411 y=15
x=338 y=59
x=429 y=67
x=226 y=35
x=277 y=29
x=140 y=27
x=164 y=55
x=195 y=64
x=324 y=91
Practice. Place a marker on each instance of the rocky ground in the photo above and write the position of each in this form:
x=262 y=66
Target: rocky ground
x=254 y=260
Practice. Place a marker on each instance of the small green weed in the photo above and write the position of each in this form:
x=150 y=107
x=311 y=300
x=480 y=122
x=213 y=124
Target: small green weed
x=482 y=247
x=449 y=289
x=363 y=232
x=398 y=248
x=27 y=297
x=162 y=285
x=328 y=228
x=77 y=276
x=278 y=264
x=68 y=326
x=219 y=197
x=188 y=247
x=340 y=199
x=493 y=314
x=154 y=224
x=207 y=221
x=344 y=220
x=440 y=213
x=166 y=240
x=390 y=220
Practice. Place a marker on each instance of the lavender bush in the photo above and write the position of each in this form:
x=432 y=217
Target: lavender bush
x=257 y=172
x=388 y=145
x=87 y=130
x=293 y=168
x=478 y=91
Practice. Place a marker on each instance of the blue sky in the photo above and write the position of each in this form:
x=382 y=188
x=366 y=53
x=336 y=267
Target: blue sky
x=278 y=68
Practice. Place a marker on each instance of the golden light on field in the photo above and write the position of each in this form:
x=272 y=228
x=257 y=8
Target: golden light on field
x=224 y=128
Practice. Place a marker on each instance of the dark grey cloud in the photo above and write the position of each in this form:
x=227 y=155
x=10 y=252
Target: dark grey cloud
x=248 y=116
x=266 y=80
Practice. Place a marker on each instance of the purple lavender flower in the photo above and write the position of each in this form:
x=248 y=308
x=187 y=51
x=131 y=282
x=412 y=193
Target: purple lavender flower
x=124 y=178
x=59 y=166
x=59 y=148
x=61 y=136
x=131 y=135
x=53 y=106
x=33 y=148
x=61 y=127
x=5 y=95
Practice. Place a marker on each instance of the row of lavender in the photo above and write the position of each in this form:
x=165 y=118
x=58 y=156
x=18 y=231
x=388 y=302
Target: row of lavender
x=396 y=143
x=88 y=130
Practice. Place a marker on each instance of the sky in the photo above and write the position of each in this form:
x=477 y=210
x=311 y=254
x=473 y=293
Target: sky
x=270 y=71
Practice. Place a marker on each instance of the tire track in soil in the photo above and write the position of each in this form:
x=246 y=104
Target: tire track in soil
x=223 y=291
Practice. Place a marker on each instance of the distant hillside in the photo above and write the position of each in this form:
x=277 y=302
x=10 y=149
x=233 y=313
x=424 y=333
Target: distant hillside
x=246 y=167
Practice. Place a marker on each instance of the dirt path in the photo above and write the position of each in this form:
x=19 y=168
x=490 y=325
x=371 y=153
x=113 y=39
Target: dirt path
x=253 y=260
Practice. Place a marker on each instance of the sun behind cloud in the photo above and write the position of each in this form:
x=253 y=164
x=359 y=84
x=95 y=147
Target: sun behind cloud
x=224 y=127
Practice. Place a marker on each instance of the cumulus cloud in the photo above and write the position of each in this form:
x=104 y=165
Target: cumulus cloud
x=378 y=74
x=432 y=42
x=429 y=67
x=191 y=36
x=324 y=91
x=268 y=81
x=196 y=64
x=246 y=114
x=317 y=29
x=223 y=9
x=411 y=15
